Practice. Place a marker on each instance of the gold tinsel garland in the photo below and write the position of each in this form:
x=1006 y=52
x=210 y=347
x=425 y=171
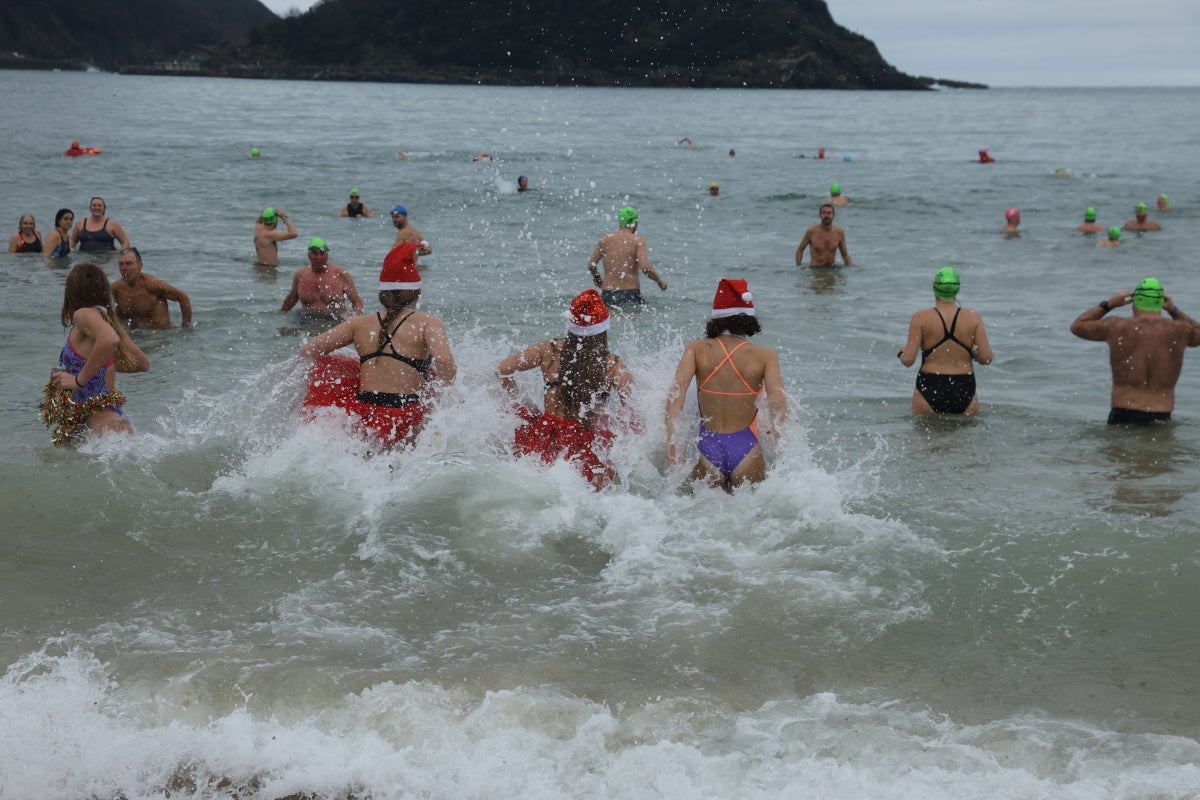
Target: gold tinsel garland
x=60 y=412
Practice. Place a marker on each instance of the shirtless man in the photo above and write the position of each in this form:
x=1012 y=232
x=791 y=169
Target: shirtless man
x=406 y=232
x=1089 y=223
x=1145 y=351
x=836 y=198
x=98 y=232
x=141 y=299
x=948 y=337
x=1140 y=222
x=267 y=238
x=355 y=208
x=1113 y=240
x=826 y=240
x=322 y=288
x=623 y=252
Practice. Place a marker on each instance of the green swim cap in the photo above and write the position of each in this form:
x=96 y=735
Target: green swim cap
x=1140 y=207
x=627 y=216
x=254 y=152
x=1114 y=233
x=317 y=243
x=835 y=189
x=1148 y=296
x=1089 y=214
x=945 y=284
x=269 y=215
x=1165 y=199
x=354 y=190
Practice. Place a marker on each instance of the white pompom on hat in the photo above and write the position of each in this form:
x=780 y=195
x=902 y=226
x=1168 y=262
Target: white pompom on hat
x=400 y=268
x=588 y=315
x=733 y=297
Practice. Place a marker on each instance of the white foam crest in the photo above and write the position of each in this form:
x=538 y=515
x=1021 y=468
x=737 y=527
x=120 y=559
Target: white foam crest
x=68 y=731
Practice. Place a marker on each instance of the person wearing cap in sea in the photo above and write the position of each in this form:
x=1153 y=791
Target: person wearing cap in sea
x=1140 y=221
x=1089 y=222
x=406 y=232
x=355 y=208
x=836 y=198
x=624 y=253
x=267 y=237
x=946 y=377
x=1163 y=203
x=1113 y=239
x=714 y=190
x=322 y=288
x=825 y=239
x=403 y=358
x=731 y=374
x=579 y=375
x=1012 y=220
x=1145 y=350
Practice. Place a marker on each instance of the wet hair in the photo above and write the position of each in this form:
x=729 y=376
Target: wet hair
x=22 y=219
x=827 y=205
x=87 y=287
x=62 y=212
x=583 y=373
x=738 y=325
x=101 y=199
x=395 y=301
x=131 y=250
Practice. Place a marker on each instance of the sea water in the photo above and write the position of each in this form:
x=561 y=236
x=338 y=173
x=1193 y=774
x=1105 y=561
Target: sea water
x=235 y=603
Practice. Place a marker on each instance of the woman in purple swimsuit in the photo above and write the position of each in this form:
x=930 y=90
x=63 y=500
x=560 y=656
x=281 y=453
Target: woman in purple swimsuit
x=96 y=348
x=732 y=373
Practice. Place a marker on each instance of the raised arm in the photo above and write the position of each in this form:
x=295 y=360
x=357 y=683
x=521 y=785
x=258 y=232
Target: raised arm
x=1178 y=315
x=1091 y=325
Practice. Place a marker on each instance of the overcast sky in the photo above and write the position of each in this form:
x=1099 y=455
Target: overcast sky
x=1021 y=42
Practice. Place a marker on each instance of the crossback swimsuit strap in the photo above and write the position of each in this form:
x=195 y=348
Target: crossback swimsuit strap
x=947 y=335
x=555 y=345
x=750 y=392
x=421 y=365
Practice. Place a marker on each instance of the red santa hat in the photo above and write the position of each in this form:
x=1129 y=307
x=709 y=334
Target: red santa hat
x=400 y=268
x=588 y=315
x=733 y=297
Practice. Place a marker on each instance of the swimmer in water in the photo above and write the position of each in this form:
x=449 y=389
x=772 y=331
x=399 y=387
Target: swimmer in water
x=1163 y=202
x=826 y=240
x=984 y=158
x=1114 y=237
x=1140 y=223
x=714 y=189
x=355 y=208
x=624 y=253
x=836 y=198
x=1012 y=219
x=321 y=287
x=1089 y=222
x=267 y=238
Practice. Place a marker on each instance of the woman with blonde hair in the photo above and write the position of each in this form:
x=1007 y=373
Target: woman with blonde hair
x=27 y=239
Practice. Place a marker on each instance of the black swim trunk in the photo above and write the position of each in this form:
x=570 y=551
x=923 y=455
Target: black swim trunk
x=1129 y=416
x=388 y=399
x=622 y=297
x=947 y=394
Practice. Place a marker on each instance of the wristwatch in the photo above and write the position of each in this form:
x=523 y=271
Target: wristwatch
x=1104 y=306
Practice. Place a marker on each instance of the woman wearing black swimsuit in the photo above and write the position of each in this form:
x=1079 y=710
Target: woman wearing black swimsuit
x=27 y=239
x=948 y=338
x=402 y=354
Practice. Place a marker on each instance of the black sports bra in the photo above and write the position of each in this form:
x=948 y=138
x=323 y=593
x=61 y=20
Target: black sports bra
x=947 y=335
x=421 y=365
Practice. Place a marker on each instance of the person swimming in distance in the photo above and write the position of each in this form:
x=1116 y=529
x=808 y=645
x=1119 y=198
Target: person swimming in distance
x=1089 y=222
x=355 y=208
x=1114 y=237
x=686 y=140
x=984 y=158
x=1163 y=202
x=836 y=198
x=522 y=183
x=714 y=190
x=946 y=378
x=1012 y=219
x=1140 y=222
x=735 y=373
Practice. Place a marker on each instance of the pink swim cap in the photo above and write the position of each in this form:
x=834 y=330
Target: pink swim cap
x=1011 y=214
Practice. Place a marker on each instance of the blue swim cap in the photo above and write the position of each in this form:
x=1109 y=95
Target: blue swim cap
x=845 y=158
x=400 y=210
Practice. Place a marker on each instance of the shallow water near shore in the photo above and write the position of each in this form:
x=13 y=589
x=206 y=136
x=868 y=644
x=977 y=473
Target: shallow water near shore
x=236 y=604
